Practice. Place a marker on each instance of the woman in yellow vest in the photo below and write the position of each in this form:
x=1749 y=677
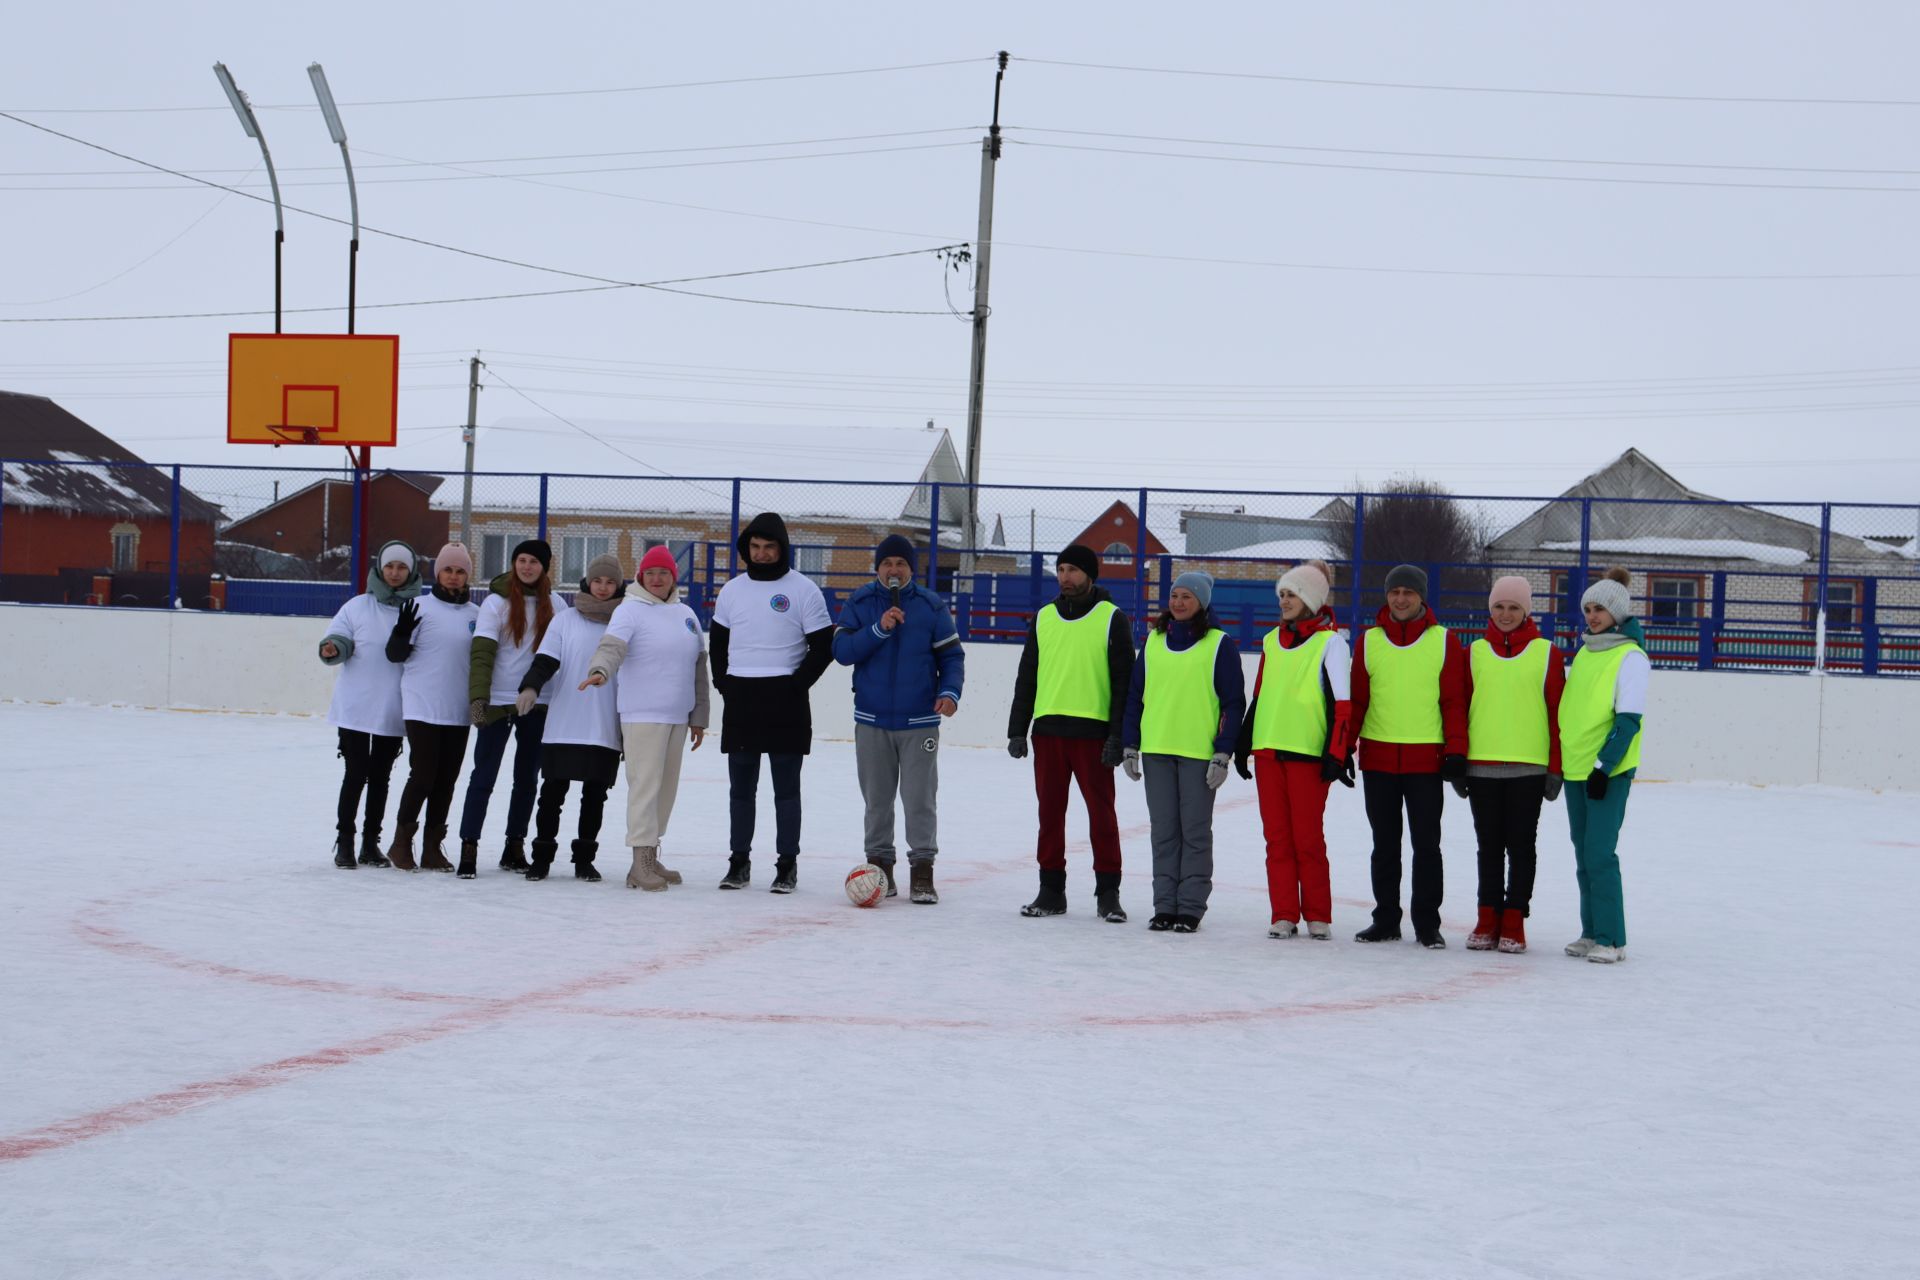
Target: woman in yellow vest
x=1184 y=704
x=1600 y=716
x=1514 y=682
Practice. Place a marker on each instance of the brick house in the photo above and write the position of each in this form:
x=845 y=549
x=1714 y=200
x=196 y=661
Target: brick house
x=312 y=527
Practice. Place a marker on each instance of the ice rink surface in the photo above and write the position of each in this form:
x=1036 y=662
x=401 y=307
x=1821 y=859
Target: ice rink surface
x=226 y=1058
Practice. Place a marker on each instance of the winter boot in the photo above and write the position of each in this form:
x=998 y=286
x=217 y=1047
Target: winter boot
x=739 y=872
x=1106 y=897
x=514 y=857
x=1430 y=939
x=1186 y=924
x=543 y=851
x=646 y=872
x=1282 y=929
x=583 y=868
x=785 y=876
x=893 y=890
x=1486 y=930
x=400 y=852
x=663 y=871
x=919 y=883
x=1579 y=948
x=370 y=855
x=1052 y=898
x=469 y=859
x=1377 y=932
x=432 y=856
x=1320 y=930
x=343 y=849
x=1161 y=922
x=1513 y=932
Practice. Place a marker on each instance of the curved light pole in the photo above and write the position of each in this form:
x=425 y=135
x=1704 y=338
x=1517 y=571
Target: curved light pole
x=338 y=132
x=244 y=109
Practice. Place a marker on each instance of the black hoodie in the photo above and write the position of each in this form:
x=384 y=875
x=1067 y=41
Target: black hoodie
x=769 y=713
x=771 y=527
x=1119 y=674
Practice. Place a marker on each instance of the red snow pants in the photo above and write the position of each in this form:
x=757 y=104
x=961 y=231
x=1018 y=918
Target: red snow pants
x=1293 y=804
x=1058 y=762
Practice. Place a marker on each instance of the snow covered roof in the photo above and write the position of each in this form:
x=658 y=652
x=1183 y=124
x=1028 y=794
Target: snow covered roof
x=1691 y=548
x=1292 y=550
x=40 y=441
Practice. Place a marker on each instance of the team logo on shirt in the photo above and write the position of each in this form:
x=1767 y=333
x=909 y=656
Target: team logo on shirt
x=780 y=604
x=470 y=624
x=693 y=628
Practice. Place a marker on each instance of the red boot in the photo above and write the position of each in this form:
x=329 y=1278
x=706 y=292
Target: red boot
x=1486 y=932
x=1513 y=933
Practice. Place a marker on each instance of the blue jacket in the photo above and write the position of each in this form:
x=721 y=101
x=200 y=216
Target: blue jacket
x=898 y=675
x=1229 y=683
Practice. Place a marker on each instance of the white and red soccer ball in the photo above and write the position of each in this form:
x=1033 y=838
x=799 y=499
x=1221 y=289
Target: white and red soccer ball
x=866 y=885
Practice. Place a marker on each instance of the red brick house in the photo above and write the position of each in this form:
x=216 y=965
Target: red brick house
x=1114 y=537
x=62 y=525
x=314 y=524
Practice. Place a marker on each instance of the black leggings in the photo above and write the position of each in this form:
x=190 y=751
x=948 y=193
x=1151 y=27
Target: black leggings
x=546 y=820
x=369 y=760
x=1506 y=819
x=435 y=753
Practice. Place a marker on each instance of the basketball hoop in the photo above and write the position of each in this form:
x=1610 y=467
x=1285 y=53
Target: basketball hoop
x=282 y=433
x=313 y=388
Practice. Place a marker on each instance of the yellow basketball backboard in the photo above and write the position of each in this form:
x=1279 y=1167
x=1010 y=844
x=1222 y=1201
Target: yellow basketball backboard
x=312 y=388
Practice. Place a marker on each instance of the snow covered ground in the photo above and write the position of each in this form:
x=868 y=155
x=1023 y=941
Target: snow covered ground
x=223 y=1057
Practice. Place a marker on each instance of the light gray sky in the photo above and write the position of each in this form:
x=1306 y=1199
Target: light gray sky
x=1202 y=361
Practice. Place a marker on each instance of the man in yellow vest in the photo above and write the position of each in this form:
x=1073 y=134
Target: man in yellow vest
x=1072 y=692
x=1410 y=699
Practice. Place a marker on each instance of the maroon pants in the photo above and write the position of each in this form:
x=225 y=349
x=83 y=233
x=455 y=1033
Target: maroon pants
x=1293 y=802
x=1056 y=763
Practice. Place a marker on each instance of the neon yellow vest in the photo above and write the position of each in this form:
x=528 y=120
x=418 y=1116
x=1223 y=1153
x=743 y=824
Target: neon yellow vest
x=1180 y=708
x=1404 y=682
x=1586 y=713
x=1507 y=721
x=1073 y=678
x=1291 y=714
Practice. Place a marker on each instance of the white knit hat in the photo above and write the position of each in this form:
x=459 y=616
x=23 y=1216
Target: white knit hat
x=1306 y=582
x=1612 y=597
x=396 y=552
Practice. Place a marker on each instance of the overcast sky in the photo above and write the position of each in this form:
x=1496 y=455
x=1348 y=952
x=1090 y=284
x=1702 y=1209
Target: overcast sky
x=1255 y=320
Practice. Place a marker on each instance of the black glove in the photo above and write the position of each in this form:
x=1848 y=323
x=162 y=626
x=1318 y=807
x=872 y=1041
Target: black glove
x=1462 y=789
x=1334 y=769
x=1242 y=765
x=400 y=640
x=1597 y=785
x=1017 y=748
x=1112 y=754
x=1454 y=769
x=1553 y=786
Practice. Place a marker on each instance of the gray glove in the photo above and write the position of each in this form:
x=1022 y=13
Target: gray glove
x=1217 y=770
x=477 y=712
x=1553 y=786
x=1130 y=761
x=1017 y=748
x=526 y=702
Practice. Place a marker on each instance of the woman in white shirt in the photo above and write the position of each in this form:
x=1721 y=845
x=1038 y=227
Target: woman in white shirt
x=366 y=697
x=513 y=621
x=430 y=643
x=662 y=703
x=583 y=723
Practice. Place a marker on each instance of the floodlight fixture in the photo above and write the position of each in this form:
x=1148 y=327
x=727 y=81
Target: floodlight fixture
x=327 y=107
x=244 y=110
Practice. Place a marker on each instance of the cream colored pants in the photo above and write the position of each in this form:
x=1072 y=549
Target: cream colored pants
x=653 y=752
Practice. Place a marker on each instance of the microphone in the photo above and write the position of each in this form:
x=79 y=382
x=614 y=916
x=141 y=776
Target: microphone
x=893 y=591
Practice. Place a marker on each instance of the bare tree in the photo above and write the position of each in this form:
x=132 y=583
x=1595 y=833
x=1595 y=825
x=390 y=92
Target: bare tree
x=1419 y=522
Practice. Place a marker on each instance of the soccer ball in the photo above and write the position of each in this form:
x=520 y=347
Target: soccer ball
x=866 y=885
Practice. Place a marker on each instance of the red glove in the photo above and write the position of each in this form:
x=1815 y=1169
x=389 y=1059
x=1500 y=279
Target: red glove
x=1340 y=740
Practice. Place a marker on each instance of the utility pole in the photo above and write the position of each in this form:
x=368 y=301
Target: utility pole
x=982 y=264
x=473 y=414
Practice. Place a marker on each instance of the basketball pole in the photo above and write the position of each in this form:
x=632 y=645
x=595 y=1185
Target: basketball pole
x=363 y=471
x=244 y=109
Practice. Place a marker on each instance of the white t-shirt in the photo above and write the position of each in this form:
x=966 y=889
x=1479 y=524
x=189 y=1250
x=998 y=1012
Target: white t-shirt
x=664 y=645
x=584 y=717
x=511 y=662
x=366 y=693
x=433 y=680
x=768 y=623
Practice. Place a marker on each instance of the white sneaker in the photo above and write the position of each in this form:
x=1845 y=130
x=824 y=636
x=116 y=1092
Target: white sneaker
x=1282 y=929
x=1319 y=930
x=1604 y=954
x=1580 y=948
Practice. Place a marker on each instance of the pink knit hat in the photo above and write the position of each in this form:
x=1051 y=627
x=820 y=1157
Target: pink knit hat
x=453 y=556
x=659 y=558
x=1512 y=589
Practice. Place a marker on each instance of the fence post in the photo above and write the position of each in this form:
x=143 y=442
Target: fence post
x=3 y=519
x=1359 y=559
x=354 y=549
x=1820 y=597
x=933 y=542
x=1140 y=571
x=542 y=535
x=1708 y=649
x=173 y=550
x=1870 y=627
x=1579 y=587
x=733 y=532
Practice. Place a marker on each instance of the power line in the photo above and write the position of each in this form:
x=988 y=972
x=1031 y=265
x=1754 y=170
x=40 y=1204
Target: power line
x=1470 y=88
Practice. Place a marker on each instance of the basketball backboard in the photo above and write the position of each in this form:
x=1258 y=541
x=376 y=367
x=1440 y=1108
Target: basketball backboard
x=312 y=388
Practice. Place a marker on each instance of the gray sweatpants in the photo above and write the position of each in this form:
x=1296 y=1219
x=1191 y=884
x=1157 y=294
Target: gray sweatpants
x=1181 y=809
x=906 y=763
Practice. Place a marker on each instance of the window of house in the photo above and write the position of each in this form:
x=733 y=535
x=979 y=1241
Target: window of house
x=126 y=547
x=811 y=561
x=1675 y=596
x=680 y=548
x=1843 y=602
x=1118 y=553
x=493 y=555
x=577 y=550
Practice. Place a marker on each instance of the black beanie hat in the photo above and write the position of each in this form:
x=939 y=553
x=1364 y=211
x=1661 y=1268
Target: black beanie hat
x=896 y=545
x=1410 y=576
x=537 y=549
x=1083 y=559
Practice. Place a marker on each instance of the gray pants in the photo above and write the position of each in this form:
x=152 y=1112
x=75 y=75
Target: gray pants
x=1181 y=808
x=906 y=763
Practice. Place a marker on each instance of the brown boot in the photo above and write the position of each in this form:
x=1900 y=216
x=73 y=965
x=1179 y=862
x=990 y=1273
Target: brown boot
x=400 y=852
x=920 y=883
x=431 y=858
x=1486 y=930
x=662 y=870
x=1513 y=932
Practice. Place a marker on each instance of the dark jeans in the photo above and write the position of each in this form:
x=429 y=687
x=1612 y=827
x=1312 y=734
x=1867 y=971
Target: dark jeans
x=743 y=777
x=434 y=754
x=1422 y=795
x=553 y=795
x=489 y=749
x=1506 y=819
x=369 y=760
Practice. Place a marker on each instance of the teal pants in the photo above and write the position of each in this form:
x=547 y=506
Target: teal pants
x=1596 y=858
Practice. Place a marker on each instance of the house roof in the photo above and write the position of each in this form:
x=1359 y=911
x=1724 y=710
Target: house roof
x=424 y=481
x=35 y=430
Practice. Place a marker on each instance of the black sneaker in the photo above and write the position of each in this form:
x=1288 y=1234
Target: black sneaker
x=370 y=855
x=739 y=872
x=1430 y=939
x=343 y=850
x=514 y=857
x=786 y=876
x=1378 y=933
x=1161 y=922
x=1186 y=924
